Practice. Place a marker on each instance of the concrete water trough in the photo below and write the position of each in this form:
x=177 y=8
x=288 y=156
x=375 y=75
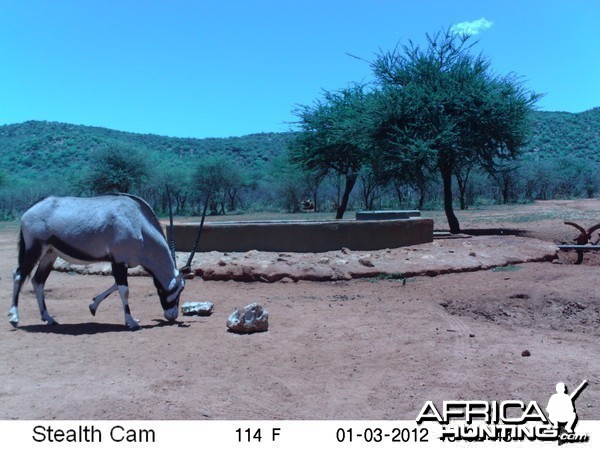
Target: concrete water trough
x=304 y=236
x=388 y=215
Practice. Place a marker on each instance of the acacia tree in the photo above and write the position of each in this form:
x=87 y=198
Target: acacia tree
x=335 y=137
x=220 y=180
x=117 y=168
x=443 y=107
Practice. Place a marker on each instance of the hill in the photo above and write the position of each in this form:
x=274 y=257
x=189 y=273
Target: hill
x=36 y=147
x=32 y=148
x=37 y=158
x=563 y=134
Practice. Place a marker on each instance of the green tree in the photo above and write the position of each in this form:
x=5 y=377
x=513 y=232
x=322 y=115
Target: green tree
x=117 y=168
x=221 y=180
x=335 y=137
x=443 y=106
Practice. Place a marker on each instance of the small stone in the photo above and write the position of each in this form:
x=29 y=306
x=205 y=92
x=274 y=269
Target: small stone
x=197 y=308
x=525 y=353
x=366 y=262
x=250 y=319
x=346 y=251
x=473 y=254
x=251 y=254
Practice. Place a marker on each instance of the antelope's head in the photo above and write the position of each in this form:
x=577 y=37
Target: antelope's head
x=169 y=297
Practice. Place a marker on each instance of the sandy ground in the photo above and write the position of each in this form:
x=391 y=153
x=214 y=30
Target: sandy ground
x=375 y=341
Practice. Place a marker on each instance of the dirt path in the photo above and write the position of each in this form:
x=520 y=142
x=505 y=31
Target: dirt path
x=348 y=349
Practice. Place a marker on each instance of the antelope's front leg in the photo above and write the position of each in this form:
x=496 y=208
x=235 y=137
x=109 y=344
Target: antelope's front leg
x=98 y=298
x=120 y=274
x=131 y=323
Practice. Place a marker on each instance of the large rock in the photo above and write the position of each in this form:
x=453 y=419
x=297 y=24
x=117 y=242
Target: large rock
x=250 y=319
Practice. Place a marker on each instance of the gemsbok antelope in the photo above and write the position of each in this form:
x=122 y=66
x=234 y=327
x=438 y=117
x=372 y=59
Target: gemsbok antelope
x=118 y=228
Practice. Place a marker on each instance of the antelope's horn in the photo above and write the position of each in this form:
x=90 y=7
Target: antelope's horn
x=171 y=228
x=582 y=238
x=592 y=229
x=188 y=265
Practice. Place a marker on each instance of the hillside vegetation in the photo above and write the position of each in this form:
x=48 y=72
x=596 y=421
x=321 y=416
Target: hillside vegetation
x=561 y=134
x=41 y=158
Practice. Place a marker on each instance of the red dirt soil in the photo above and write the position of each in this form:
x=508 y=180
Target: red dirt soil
x=352 y=348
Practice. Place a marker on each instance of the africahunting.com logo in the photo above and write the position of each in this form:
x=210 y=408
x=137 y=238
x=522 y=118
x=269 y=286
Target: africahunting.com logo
x=510 y=420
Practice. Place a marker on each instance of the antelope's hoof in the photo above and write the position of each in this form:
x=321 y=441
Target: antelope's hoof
x=92 y=310
x=133 y=326
x=13 y=317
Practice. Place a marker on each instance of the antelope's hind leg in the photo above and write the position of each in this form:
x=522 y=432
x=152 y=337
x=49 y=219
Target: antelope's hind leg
x=13 y=312
x=28 y=258
x=39 y=280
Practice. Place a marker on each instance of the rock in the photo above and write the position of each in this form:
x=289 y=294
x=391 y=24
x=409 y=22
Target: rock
x=197 y=308
x=366 y=261
x=251 y=254
x=286 y=280
x=250 y=319
x=525 y=353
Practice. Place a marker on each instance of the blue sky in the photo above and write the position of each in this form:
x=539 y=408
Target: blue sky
x=229 y=68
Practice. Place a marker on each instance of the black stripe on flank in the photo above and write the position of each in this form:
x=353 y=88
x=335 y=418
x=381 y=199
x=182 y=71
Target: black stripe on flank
x=73 y=252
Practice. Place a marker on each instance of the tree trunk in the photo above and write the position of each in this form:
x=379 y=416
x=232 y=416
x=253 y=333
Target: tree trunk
x=461 y=182
x=350 y=182
x=447 y=180
x=421 y=201
x=399 y=194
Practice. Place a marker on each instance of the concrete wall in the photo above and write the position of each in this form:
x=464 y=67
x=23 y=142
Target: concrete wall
x=388 y=215
x=304 y=236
